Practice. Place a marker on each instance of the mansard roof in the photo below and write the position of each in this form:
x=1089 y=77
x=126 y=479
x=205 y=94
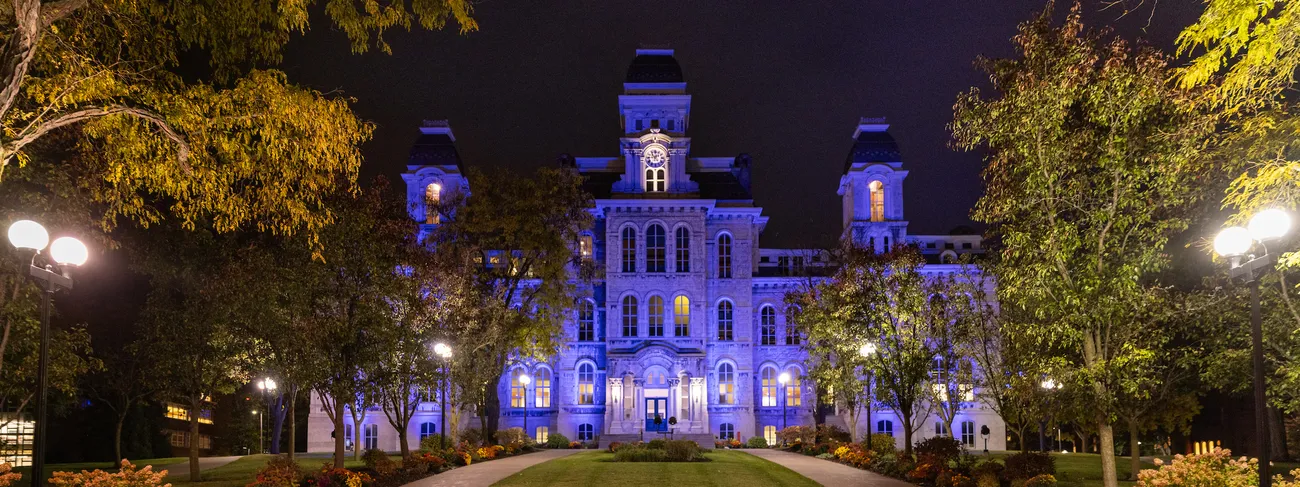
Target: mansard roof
x=872 y=143
x=716 y=185
x=434 y=149
x=654 y=66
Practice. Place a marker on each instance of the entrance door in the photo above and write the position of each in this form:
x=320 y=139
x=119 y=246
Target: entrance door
x=656 y=407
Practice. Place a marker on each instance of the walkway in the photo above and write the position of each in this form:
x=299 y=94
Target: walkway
x=205 y=463
x=826 y=472
x=488 y=473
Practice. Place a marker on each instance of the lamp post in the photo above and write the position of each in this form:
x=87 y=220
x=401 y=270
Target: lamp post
x=65 y=253
x=443 y=351
x=259 y=429
x=867 y=351
x=267 y=386
x=784 y=379
x=1049 y=385
x=525 y=379
x=1235 y=243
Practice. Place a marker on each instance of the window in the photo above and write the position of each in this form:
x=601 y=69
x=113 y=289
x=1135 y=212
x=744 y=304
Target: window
x=655 y=179
x=938 y=372
x=941 y=429
x=681 y=316
x=798 y=264
x=205 y=442
x=427 y=430
x=432 y=196
x=372 y=436
x=348 y=439
x=885 y=427
x=769 y=386
x=586 y=321
x=629 y=316
x=965 y=245
x=726 y=384
x=783 y=265
x=586 y=384
x=655 y=325
x=769 y=434
x=683 y=249
x=727 y=431
x=629 y=249
x=543 y=434
x=968 y=433
x=517 y=389
x=725 y=322
x=585 y=248
x=586 y=432
x=793 y=391
x=542 y=391
x=656 y=249
x=791 y=334
x=640 y=124
x=724 y=256
x=767 y=325
x=671 y=124
x=877 y=201
x=178 y=439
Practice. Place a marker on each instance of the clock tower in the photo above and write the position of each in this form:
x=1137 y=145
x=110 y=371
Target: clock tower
x=655 y=110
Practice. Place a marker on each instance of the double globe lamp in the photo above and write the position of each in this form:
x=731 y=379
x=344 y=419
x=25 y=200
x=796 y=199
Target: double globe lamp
x=63 y=255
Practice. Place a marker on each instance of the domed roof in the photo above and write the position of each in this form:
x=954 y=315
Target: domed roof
x=654 y=66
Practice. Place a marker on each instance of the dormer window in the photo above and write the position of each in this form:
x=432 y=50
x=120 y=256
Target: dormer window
x=432 y=196
x=877 y=201
x=655 y=160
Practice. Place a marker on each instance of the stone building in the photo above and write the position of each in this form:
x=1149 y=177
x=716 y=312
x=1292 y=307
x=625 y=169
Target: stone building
x=687 y=321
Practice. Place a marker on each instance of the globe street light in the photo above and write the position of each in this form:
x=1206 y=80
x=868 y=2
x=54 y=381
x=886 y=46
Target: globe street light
x=444 y=352
x=867 y=351
x=784 y=379
x=525 y=379
x=56 y=273
x=259 y=429
x=1235 y=243
x=266 y=385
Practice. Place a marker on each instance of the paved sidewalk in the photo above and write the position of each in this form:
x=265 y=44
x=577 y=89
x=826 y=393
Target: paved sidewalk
x=826 y=472
x=205 y=463
x=488 y=473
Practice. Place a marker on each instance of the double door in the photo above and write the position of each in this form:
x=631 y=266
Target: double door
x=656 y=408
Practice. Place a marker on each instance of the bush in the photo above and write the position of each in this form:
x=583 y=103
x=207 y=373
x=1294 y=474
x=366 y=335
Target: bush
x=279 y=472
x=428 y=462
x=1214 y=468
x=512 y=436
x=888 y=465
x=756 y=442
x=670 y=451
x=434 y=442
x=1043 y=480
x=988 y=469
x=614 y=445
x=377 y=460
x=639 y=454
x=1027 y=465
x=656 y=444
x=473 y=436
x=832 y=433
x=557 y=441
x=682 y=451
x=8 y=476
x=338 y=477
x=576 y=445
x=853 y=454
x=938 y=450
x=826 y=456
x=882 y=443
x=797 y=434
x=128 y=476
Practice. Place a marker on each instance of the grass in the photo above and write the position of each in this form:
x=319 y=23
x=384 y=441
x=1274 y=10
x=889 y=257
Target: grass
x=240 y=472
x=727 y=468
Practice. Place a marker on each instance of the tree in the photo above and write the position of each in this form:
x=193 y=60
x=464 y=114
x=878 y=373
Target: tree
x=127 y=380
x=242 y=147
x=1091 y=161
x=514 y=243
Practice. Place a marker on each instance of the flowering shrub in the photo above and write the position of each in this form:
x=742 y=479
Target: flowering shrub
x=1213 y=468
x=756 y=442
x=797 y=434
x=733 y=443
x=881 y=444
x=512 y=436
x=279 y=472
x=575 y=445
x=8 y=476
x=1044 y=480
x=853 y=455
x=613 y=445
x=128 y=476
x=490 y=452
x=377 y=460
x=959 y=480
x=924 y=472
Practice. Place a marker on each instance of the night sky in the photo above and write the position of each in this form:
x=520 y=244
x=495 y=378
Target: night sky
x=781 y=82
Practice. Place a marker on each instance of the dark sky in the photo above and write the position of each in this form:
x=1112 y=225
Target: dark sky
x=783 y=82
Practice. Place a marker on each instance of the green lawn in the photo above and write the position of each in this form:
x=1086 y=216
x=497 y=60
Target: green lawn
x=728 y=468
x=240 y=472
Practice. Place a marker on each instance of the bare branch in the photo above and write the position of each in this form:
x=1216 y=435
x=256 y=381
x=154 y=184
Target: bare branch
x=56 y=11
x=31 y=133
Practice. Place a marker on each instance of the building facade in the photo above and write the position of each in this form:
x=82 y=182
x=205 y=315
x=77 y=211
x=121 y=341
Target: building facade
x=687 y=321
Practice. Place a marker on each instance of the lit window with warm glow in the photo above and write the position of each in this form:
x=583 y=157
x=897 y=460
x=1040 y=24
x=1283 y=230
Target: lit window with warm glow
x=769 y=386
x=586 y=384
x=517 y=396
x=877 y=201
x=681 y=316
x=543 y=389
x=726 y=384
x=793 y=393
x=584 y=247
x=432 y=196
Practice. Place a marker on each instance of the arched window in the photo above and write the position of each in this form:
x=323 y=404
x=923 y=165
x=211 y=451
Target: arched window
x=432 y=197
x=542 y=390
x=586 y=432
x=681 y=316
x=726 y=431
x=427 y=430
x=629 y=249
x=585 y=246
x=941 y=429
x=586 y=384
x=655 y=320
x=877 y=201
x=767 y=325
x=968 y=433
x=586 y=321
x=725 y=322
x=372 y=436
x=724 y=256
x=543 y=434
x=769 y=434
x=726 y=384
x=656 y=249
x=791 y=334
x=769 y=385
x=629 y=316
x=517 y=389
x=683 y=249
x=655 y=180
x=349 y=439
x=793 y=391
x=885 y=427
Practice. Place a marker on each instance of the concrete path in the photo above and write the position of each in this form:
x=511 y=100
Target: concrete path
x=826 y=472
x=206 y=463
x=488 y=473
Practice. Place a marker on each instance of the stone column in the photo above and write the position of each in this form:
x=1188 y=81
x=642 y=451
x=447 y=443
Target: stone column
x=700 y=405
x=672 y=398
x=613 y=403
x=638 y=410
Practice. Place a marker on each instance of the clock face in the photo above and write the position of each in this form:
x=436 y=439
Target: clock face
x=655 y=156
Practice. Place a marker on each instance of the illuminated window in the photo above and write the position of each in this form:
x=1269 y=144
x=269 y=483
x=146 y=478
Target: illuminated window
x=517 y=389
x=877 y=201
x=177 y=411
x=586 y=432
x=656 y=243
x=793 y=392
x=726 y=384
x=968 y=433
x=724 y=256
x=655 y=180
x=725 y=323
x=372 y=436
x=767 y=325
x=629 y=250
x=655 y=318
x=769 y=386
x=205 y=442
x=543 y=434
x=769 y=434
x=726 y=431
x=629 y=316
x=178 y=438
x=432 y=197
x=681 y=316
x=586 y=384
x=585 y=248
x=683 y=249
x=348 y=439
x=542 y=392
x=586 y=321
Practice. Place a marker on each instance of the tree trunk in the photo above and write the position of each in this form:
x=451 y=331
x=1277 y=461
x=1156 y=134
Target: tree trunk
x=117 y=435
x=340 y=436
x=1135 y=451
x=907 y=434
x=1277 y=433
x=194 y=444
x=277 y=424
x=492 y=413
x=1106 y=444
x=406 y=447
x=293 y=421
x=1042 y=440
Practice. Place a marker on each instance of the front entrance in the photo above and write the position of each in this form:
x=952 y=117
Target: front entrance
x=656 y=408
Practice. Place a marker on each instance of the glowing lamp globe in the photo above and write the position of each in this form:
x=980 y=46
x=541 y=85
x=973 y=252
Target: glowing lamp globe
x=68 y=251
x=525 y=379
x=27 y=234
x=867 y=350
x=1049 y=384
x=784 y=378
x=442 y=349
x=1232 y=241
x=1269 y=224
